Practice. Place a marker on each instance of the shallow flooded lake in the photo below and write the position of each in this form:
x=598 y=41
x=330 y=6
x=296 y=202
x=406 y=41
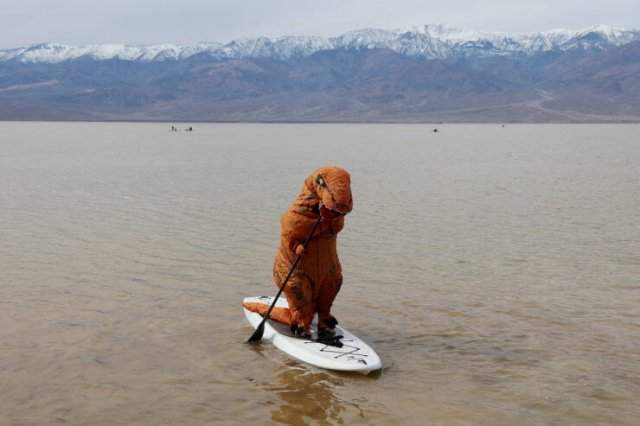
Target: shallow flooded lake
x=496 y=271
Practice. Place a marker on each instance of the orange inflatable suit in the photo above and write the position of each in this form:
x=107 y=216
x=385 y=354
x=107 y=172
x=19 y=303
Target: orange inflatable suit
x=317 y=279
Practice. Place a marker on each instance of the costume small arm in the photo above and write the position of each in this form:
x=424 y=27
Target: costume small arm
x=316 y=280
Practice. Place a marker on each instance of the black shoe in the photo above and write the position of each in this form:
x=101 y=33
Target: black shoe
x=330 y=322
x=326 y=333
x=300 y=332
x=331 y=340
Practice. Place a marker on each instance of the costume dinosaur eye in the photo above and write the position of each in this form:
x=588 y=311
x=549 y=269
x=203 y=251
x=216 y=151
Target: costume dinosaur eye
x=320 y=181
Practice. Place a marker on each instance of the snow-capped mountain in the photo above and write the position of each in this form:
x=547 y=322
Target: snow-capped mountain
x=429 y=41
x=367 y=75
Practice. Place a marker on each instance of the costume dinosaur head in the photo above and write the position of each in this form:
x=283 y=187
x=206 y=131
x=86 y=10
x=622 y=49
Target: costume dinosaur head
x=331 y=186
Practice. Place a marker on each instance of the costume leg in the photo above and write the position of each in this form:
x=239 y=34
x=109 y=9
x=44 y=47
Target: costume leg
x=326 y=295
x=299 y=293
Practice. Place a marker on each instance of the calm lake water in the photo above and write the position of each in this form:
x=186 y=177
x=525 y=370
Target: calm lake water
x=495 y=270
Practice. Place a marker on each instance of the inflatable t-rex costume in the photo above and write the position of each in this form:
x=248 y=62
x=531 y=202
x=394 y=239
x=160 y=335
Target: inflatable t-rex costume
x=317 y=278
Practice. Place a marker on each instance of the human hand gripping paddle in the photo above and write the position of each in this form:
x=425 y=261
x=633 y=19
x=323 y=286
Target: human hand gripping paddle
x=257 y=335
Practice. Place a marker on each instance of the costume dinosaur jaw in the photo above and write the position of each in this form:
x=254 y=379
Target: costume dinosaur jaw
x=328 y=213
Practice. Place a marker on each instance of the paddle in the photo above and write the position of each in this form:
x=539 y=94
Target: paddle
x=257 y=335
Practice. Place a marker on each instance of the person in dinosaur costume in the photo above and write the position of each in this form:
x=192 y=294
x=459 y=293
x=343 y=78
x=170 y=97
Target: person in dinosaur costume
x=316 y=280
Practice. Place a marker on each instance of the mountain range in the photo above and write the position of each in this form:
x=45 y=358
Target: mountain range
x=424 y=74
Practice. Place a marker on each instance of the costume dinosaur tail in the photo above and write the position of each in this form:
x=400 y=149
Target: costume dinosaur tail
x=282 y=315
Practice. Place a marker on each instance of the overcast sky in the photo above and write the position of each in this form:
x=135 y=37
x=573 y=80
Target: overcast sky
x=25 y=22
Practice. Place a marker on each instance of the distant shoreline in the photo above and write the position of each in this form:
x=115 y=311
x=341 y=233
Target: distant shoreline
x=323 y=122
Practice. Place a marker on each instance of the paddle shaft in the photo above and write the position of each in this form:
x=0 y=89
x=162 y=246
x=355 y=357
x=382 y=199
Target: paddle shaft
x=260 y=329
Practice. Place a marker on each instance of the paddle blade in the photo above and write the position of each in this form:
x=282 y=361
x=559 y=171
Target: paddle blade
x=257 y=335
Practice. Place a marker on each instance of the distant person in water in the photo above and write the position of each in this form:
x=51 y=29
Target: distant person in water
x=173 y=129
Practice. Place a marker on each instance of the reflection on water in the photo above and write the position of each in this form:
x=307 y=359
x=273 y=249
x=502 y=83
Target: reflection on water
x=495 y=270
x=307 y=396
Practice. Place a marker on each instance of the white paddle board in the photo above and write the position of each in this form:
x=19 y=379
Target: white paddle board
x=354 y=355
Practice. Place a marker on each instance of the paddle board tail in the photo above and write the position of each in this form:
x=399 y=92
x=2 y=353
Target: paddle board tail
x=282 y=315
